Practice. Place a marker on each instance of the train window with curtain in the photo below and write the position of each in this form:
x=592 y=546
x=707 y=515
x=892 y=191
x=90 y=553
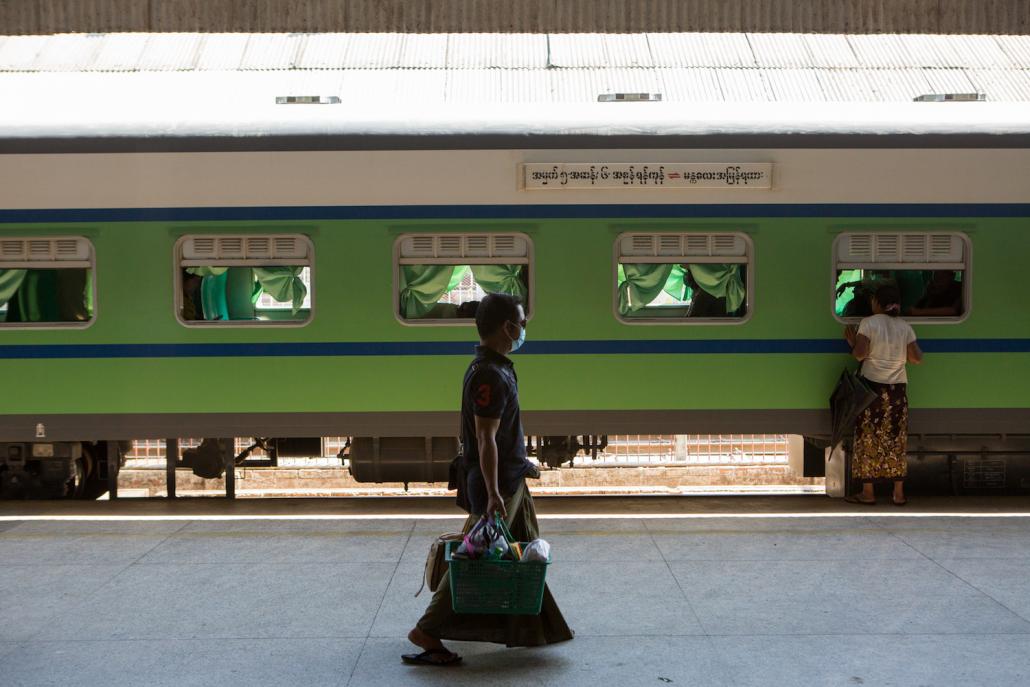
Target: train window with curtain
x=440 y=276
x=47 y=282
x=930 y=269
x=683 y=278
x=263 y=280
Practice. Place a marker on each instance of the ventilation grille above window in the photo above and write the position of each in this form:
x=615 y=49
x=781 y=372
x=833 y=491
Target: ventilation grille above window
x=236 y=250
x=464 y=247
x=904 y=249
x=43 y=252
x=675 y=247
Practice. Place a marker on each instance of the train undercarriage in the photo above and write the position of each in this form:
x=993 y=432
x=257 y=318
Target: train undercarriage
x=940 y=464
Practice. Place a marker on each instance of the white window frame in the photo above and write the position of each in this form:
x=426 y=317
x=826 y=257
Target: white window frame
x=251 y=254
x=686 y=254
x=51 y=252
x=463 y=256
x=898 y=261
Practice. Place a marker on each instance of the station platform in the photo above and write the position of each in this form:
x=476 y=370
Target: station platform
x=684 y=591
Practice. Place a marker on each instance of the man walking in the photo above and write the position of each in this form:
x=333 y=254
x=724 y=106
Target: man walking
x=494 y=451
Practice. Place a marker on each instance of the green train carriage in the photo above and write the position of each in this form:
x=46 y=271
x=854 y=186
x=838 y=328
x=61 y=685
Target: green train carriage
x=321 y=235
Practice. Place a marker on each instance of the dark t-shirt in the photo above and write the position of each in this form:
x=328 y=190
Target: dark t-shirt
x=949 y=296
x=491 y=390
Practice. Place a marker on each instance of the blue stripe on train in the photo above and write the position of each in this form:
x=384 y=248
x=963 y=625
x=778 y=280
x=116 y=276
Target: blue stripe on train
x=593 y=211
x=415 y=348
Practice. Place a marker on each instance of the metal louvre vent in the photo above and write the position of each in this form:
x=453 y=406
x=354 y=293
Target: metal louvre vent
x=241 y=250
x=65 y=251
x=912 y=249
x=692 y=246
x=461 y=247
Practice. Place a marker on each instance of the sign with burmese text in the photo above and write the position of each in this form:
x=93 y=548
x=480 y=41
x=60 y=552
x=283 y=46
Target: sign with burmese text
x=539 y=176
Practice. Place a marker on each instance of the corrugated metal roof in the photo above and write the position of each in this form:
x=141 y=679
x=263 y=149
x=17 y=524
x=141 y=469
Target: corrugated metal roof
x=948 y=81
x=888 y=52
x=780 y=50
x=896 y=85
x=846 y=85
x=170 y=51
x=577 y=50
x=824 y=16
x=497 y=51
x=324 y=51
x=374 y=51
x=701 y=50
x=690 y=85
x=628 y=50
x=222 y=51
x=119 y=52
x=424 y=51
x=831 y=51
x=272 y=51
x=1016 y=48
x=794 y=85
x=19 y=52
x=69 y=52
x=1001 y=84
x=564 y=67
x=744 y=85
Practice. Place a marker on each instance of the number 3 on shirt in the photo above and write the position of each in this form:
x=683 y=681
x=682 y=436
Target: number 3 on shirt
x=483 y=395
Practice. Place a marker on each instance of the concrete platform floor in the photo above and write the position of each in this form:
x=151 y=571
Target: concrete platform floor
x=694 y=591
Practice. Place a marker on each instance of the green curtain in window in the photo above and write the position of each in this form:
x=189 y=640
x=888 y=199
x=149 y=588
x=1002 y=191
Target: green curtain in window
x=213 y=292
x=676 y=285
x=47 y=295
x=10 y=281
x=500 y=279
x=845 y=297
x=283 y=284
x=641 y=284
x=721 y=281
x=230 y=293
x=422 y=286
x=226 y=293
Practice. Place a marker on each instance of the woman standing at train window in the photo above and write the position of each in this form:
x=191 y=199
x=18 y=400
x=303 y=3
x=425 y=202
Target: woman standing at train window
x=885 y=344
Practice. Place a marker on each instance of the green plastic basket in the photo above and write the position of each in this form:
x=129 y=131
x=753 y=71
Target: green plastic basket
x=502 y=587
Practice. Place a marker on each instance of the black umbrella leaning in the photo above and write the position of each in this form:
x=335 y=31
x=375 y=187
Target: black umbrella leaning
x=849 y=399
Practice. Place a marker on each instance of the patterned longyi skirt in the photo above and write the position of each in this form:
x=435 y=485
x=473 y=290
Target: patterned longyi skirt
x=881 y=436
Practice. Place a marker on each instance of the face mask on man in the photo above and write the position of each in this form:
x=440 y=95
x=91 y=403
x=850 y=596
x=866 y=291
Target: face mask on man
x=516 y=343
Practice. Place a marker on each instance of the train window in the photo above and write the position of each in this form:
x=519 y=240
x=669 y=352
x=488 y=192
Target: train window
x=243 y=280
x=930 y=270
x=682 y=278
x=46 y=282
x=440 y=275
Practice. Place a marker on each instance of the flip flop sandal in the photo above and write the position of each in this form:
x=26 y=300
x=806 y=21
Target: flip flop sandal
x=852 y=499
x=424 y=659
x=899 y=503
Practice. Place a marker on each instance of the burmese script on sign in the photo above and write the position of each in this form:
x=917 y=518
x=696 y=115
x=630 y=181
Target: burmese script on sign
x=674 y=175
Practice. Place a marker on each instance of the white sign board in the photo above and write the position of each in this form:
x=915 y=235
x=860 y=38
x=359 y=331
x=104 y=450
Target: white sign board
x=542 y=176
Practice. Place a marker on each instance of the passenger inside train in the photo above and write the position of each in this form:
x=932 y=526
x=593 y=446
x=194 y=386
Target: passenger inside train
x=942 y=297
x=924 y=293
